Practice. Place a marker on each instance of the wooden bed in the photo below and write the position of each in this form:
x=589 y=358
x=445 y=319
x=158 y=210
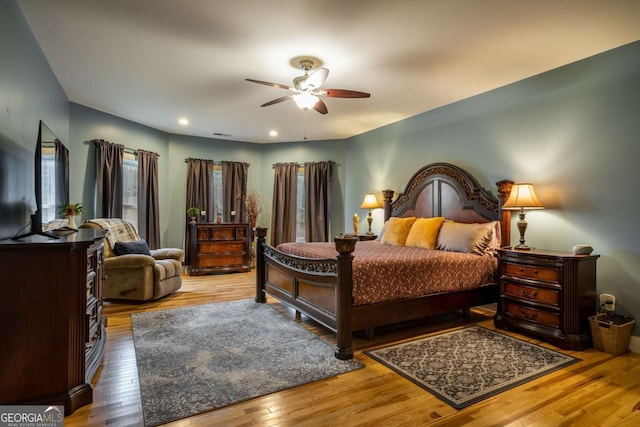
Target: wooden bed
x=322 y=288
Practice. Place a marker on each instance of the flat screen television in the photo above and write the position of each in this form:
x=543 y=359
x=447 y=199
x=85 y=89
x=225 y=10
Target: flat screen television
x=60 y=169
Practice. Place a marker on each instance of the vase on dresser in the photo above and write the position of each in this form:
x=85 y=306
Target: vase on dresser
x=72 y=222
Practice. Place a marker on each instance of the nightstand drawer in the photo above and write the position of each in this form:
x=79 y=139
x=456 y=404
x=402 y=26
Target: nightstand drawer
x=547 y=296
x=530 y=272
x=532 y=315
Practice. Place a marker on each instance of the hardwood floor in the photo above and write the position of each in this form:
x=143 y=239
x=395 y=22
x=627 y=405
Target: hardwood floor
x=601 y=390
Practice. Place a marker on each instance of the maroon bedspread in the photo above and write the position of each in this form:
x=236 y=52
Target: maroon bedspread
x=388 y=273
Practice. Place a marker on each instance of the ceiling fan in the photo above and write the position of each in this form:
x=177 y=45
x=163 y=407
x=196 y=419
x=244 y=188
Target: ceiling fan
x=307 y=89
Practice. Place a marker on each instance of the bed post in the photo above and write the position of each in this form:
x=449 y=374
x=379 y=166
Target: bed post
x=504 y=189
x=388 y=195
x=345 y=245
x=261 y=233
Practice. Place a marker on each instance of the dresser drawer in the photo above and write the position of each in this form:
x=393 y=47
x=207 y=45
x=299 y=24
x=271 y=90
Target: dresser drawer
x=220 y=261
x=531 y=293
x=532 y=314
x=532 y=272
x=221 y=247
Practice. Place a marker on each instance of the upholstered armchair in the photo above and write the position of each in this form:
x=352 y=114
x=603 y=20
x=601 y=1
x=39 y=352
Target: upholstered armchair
x=132 y=270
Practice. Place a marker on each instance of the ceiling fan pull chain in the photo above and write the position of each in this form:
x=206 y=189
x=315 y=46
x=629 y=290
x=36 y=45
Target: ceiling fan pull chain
x=305 y=124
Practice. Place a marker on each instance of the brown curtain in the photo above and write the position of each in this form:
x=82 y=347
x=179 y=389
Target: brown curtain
x=283 y=217
x=62 y=175
x=148 y=203
x=234 y=190
x=109 y=179
x=199 y=194
x=318 y=187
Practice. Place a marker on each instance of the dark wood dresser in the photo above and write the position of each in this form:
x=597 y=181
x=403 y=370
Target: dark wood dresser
x=51 y=322
x=220 y=248
x=549 y=294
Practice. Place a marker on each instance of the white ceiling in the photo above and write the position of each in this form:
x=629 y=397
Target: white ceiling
x=153 y=61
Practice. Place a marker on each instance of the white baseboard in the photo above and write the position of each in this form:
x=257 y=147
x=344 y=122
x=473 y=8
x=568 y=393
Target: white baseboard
x=635 y=344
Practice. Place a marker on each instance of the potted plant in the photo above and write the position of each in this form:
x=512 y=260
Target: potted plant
x=70 y=210
x=193 y=213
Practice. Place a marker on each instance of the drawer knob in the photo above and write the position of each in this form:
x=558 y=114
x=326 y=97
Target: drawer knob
x=531 y=294
x=528 y=315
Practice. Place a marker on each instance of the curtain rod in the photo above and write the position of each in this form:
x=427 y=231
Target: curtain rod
x=273 y=166
x=126 y=149
x=215 y=162
x=136 y=152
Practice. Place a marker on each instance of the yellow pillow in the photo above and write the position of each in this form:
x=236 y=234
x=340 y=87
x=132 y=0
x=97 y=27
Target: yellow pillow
x=424 y=232
x=397 y=230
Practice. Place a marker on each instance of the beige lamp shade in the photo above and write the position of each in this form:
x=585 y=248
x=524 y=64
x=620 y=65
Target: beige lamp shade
x=370 y=202
x=522 y=196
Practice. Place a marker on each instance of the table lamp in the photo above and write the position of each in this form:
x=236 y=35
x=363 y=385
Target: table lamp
x=522 y=197
x=370 y=202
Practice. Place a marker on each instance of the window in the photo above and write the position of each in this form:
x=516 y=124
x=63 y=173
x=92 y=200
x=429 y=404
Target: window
x=300 y=210
x=218 y=203
x=48 y=193
x=130 y=189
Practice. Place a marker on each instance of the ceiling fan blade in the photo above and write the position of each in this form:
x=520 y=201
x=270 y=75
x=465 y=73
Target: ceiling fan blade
x=321 y=107
x=277 y=100
x=341 y=93
x=269 y=84
x=316 y=78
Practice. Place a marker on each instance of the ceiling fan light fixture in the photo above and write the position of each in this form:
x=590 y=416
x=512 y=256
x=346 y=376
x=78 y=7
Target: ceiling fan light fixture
x=305 y=100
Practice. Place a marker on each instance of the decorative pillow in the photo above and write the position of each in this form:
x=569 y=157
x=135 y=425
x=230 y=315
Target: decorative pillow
x=127 y=248
x=496 y=241
x=424 y=232
x=397 y=230
x=460 y=237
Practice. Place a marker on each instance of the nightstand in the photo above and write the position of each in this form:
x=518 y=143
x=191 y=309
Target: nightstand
x=549 y=294
x=363 y=237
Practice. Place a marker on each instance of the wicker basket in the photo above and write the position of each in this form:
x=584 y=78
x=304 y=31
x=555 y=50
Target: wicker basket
x=610 y=337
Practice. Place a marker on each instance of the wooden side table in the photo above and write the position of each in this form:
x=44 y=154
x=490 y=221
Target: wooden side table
x=549 y=294
x=220 y=248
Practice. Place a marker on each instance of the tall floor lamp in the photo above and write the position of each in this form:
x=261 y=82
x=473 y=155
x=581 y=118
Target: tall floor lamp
x=370 y=202
x=522 y=198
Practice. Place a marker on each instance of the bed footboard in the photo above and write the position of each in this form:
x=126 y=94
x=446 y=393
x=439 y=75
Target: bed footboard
x=319 y=288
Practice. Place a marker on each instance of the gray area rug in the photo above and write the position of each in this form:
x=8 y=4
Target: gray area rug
x=467 y=365
x=197 y=359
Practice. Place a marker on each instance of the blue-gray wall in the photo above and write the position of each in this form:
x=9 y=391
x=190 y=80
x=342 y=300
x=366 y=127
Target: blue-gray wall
x=184 y=147
x=29 y=92
x=574 y=132
x=87 y=124
x=300 y=152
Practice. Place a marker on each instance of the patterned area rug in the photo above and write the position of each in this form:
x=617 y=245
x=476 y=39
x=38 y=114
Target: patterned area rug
x=196 y=359
x=467 y=365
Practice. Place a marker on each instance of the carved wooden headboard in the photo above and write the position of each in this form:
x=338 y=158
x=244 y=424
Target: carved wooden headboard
x=442 y=189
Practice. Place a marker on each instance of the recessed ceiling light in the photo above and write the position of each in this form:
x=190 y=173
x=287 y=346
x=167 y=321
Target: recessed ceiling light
x=183 y=121
x=273 y=133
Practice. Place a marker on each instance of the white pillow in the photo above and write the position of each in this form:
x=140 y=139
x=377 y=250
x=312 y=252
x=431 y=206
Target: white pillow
x=469 y=238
